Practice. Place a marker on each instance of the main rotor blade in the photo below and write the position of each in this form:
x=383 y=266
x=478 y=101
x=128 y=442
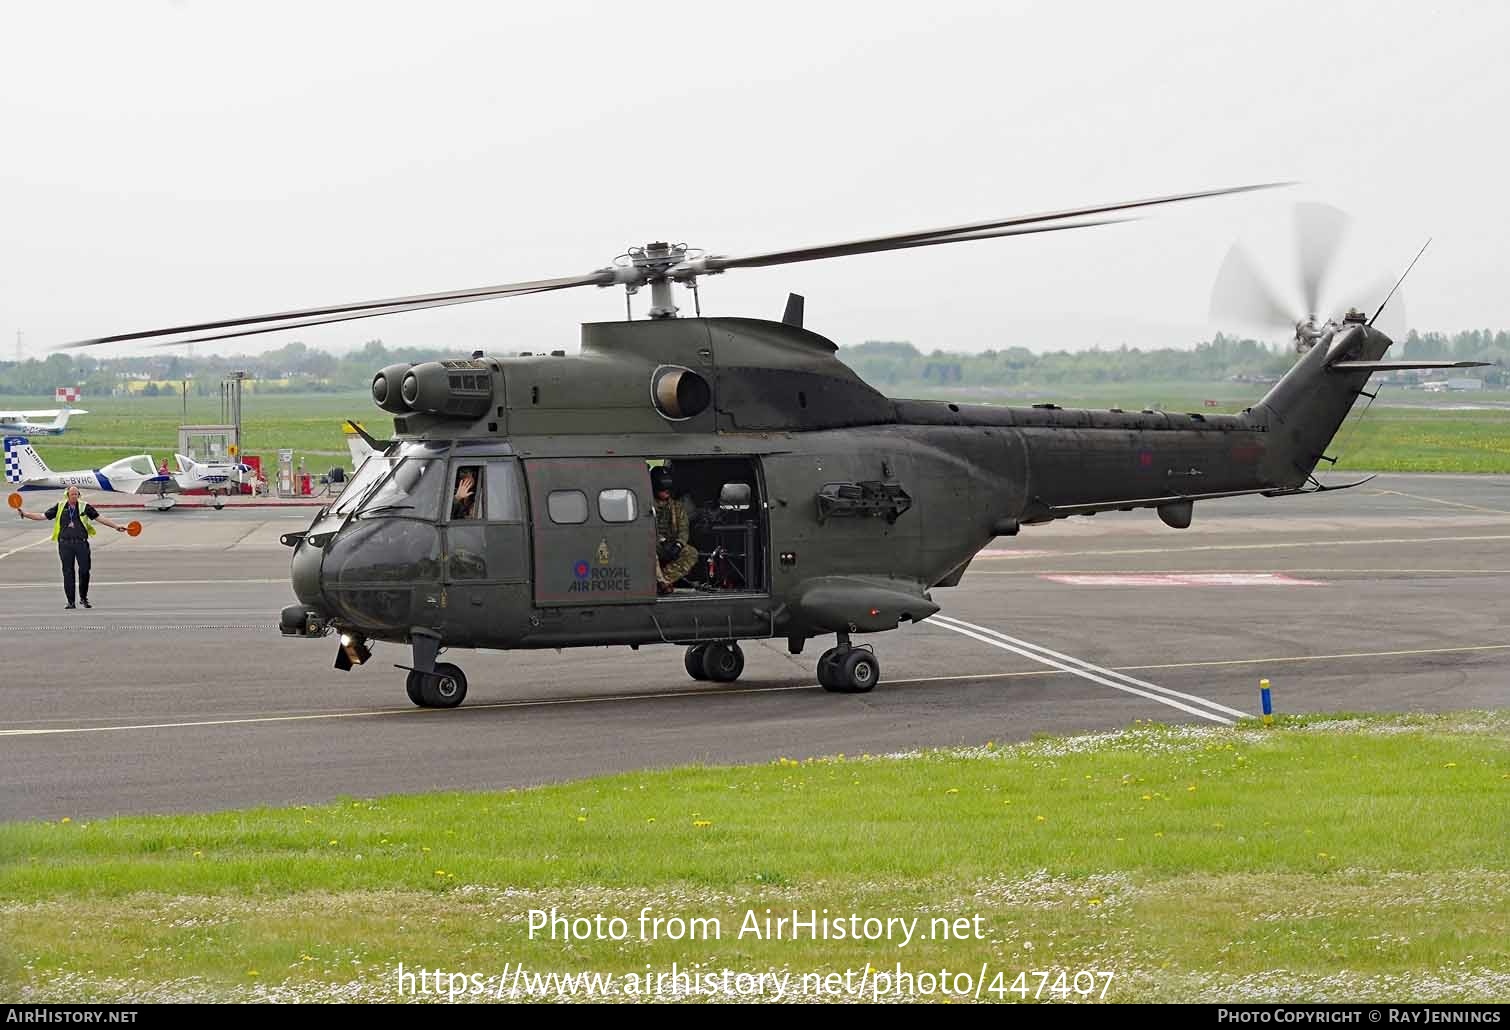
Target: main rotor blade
x=344 y=312
x=327 y=319
x=1319 y=230
x=870 y=247
x=1241 y=295
x=950 y=234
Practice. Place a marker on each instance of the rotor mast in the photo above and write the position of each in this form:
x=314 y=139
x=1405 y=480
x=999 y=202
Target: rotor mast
x=652 y=265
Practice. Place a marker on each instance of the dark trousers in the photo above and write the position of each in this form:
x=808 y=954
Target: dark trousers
x=71 y=551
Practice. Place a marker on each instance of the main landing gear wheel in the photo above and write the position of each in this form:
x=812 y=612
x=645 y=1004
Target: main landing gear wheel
x=722 y=663
x=694 y=661
x=446 y=687
x=827 y=674
x=844 y=670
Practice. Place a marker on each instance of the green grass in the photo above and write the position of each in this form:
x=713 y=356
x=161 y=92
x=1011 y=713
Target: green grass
x=1323 y=858
x=310 y=424
x=1421 y=440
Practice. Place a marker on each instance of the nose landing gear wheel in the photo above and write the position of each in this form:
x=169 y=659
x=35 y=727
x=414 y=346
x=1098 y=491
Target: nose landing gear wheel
x=446 y=687
x=694 y=661
x=722 y=663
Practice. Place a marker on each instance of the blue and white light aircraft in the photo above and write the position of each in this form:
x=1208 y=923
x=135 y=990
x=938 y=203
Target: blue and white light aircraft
x=26 y=470
x=20 y=423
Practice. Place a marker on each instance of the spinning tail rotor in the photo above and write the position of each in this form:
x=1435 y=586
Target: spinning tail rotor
x=1242 y=294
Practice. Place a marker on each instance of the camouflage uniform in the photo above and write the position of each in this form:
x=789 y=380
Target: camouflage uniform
x=673 y=521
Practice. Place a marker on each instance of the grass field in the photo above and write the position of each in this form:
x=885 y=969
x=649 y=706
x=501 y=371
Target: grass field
x=1403 y=432
x=310 y=424
x=1327 y=858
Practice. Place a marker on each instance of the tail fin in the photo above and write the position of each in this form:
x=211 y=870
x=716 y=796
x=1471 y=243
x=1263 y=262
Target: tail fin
x=1305 y=409
x=361 y=447
x=60 y=422
x=22 y=464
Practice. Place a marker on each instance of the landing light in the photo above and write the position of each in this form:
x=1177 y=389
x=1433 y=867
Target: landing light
x=354 y=651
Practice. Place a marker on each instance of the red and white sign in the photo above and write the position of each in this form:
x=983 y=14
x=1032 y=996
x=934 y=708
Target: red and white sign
x=66 y=393
x=1182 y=579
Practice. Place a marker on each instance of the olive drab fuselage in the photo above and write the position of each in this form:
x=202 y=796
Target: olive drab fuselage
x=826 y=507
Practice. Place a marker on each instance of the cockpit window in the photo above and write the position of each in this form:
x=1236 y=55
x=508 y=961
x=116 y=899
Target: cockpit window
x=466 y=495
x=367 y=478
x=412 y=490
x=408 y=487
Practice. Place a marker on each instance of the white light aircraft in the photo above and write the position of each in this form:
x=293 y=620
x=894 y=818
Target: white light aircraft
x=20 y=423
x=215 y=476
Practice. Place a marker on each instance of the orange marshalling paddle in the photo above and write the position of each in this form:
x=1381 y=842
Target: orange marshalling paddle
x=133 y=528
x=14 y=500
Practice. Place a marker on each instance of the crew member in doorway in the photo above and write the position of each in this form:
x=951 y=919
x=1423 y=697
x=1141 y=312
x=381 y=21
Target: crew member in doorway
x=72 y=526
x=675 y=555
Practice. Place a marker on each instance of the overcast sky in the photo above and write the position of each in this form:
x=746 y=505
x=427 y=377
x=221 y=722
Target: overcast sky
x=169 y=161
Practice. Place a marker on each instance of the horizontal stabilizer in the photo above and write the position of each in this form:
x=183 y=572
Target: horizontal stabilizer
x=1400 y=366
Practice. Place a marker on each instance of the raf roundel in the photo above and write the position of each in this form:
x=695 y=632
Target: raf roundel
x=581 y=569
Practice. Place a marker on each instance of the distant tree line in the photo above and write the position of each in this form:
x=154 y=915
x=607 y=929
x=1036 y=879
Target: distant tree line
x=307 y=369
x=887 y=364
x=884 y=364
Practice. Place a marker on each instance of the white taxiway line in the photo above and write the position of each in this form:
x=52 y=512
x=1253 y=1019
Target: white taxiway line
x=1041 y=659
x=34 y=543
x=51 y=585
x=1097 y=668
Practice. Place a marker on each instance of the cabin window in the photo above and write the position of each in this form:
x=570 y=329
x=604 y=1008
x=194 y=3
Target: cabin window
x=567 y=507
x=617 y=506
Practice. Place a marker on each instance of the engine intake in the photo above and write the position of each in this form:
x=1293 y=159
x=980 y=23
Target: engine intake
x=385 y=388
x=454 y=389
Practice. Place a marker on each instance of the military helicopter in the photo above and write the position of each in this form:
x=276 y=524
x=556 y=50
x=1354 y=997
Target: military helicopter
x=513 y=507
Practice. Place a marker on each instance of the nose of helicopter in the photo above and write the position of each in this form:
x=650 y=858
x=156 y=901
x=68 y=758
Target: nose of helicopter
x=304 y=574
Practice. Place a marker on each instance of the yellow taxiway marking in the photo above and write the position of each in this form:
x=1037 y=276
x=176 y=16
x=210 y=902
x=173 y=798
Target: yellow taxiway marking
x=1438 y=500
x=724 y=692
x=1357 y=571
x=1276 y=547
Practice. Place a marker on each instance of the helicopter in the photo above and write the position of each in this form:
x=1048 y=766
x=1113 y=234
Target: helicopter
x=513 y=506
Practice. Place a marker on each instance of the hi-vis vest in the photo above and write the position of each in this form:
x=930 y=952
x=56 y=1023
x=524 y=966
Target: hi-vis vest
x=57 y=523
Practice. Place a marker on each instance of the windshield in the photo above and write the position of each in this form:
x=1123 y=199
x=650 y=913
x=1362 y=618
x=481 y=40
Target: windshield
x=413 y=489
x=373 y=470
